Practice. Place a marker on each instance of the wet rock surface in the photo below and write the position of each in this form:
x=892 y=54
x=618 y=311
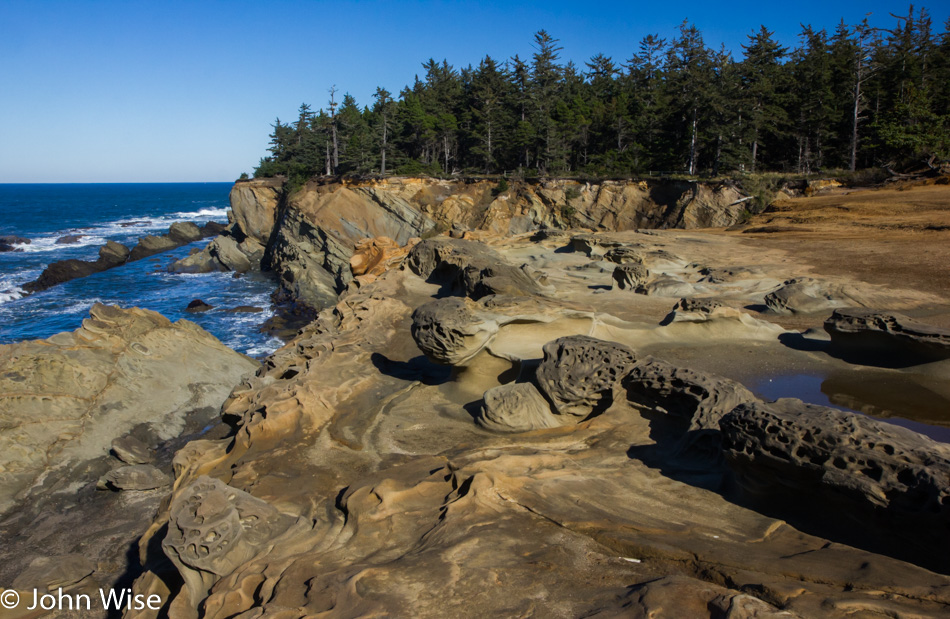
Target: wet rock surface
x=114 y=254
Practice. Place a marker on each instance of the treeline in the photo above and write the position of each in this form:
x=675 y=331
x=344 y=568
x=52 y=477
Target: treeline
x=854 y=98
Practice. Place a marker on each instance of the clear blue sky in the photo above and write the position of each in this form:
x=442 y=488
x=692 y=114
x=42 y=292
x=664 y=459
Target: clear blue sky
x=134 y=91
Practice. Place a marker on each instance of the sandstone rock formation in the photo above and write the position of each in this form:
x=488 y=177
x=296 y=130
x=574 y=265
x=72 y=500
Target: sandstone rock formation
x=535 y=475
x=630 y=276
x=888 y=334
x=133 y=477
x=469 y=268
x=308 y=237
x=214 y=528
x=63 y=400
x=516 y=407
x=807 y=295
x=825 y=457
x=581 y=375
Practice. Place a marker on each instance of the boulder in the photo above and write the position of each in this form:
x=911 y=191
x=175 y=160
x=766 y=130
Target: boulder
x=151 y=245
x=226 y=251
x=694 y=310
x=197 y=305
x=198 y=262
x=516 y=407
x=888 y=334
x=624 y=254
x=666 y=286
x=802 y=296
x=581 y=375
x=133 y=477
x=113 y=254
x=452 y=331
x=184 y=232
x=131 y=450
x=630 y=276
x=468 y=268
x=212 y=228
x=69 y=239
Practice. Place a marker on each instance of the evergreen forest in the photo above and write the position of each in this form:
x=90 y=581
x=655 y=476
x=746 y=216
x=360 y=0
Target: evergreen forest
x=854 y=98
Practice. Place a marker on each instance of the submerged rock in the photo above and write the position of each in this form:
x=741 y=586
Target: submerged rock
x=111 y=255
x=197 y=305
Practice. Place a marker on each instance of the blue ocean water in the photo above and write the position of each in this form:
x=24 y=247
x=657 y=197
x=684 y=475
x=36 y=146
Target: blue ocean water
x=124 y=213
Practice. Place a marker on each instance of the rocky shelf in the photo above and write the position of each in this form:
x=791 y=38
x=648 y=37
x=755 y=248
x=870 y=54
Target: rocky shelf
x=519 y=415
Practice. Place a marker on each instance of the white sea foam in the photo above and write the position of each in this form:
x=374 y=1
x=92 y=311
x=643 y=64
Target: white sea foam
x=135 y=227
x=266 y=348
x=12 y=294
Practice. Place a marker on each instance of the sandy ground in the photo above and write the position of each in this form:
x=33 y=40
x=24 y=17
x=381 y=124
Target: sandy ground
x=897 y=237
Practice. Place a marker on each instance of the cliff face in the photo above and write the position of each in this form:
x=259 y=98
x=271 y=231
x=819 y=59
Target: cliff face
x=311 y=235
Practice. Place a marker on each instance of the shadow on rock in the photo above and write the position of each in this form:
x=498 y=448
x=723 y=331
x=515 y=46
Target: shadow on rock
x=418 y=368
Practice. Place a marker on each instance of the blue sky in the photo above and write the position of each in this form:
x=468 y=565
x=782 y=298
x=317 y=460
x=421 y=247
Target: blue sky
x=185 y=91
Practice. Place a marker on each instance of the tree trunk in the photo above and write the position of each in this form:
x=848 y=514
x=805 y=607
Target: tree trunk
x=692 y=146
x=336 y=150
x=382 y=154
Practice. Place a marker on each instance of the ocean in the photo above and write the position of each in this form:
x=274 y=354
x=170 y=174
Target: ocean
x=121 y=212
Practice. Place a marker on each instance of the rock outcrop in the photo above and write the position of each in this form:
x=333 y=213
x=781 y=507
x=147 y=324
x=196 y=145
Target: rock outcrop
x=468 y=268
x=309 y=237
x=111 y=255
x=63 y=400
x=823 y=454
x=889 y=335
x=214 y=528
x=581 y=375
x=114 y=254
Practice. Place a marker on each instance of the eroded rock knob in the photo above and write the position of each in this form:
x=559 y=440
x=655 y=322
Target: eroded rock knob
x=213 y=528
x=580 y=374
x=451 y=331
x=516 y=407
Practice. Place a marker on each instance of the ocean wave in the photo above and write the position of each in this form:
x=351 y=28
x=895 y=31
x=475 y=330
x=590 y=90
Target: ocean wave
x=121 y=228
x=265 y=349
x=12 y=294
